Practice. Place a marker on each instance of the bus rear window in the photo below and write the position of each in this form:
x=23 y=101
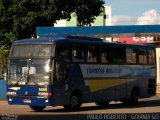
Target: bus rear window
x=31 y=50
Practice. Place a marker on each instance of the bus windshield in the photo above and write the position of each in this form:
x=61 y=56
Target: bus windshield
x=29 y=71
x=34 y=50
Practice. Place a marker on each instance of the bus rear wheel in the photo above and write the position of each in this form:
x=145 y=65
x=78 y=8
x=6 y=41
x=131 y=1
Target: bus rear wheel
x=75 y=102
x=134 y=97
x=37 y=108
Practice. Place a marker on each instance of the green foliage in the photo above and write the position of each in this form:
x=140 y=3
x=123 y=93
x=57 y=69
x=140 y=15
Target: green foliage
x=87 y=10
x=1 y=77
x=19 y=18
x=6 y=43
x=3 y=56
x=3 y=61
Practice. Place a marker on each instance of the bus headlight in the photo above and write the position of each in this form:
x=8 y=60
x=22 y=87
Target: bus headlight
x=45 y=94
x=11 y=93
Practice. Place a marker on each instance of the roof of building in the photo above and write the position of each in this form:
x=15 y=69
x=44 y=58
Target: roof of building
x=127 y=30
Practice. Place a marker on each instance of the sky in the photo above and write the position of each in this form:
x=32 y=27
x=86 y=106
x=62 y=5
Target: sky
x=134 y=12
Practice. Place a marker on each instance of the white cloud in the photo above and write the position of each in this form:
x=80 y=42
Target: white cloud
x=149 y=17
x=123 y=20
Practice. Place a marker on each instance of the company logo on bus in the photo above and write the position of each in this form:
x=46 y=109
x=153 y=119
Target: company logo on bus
x=135 y=40
x=26 y=93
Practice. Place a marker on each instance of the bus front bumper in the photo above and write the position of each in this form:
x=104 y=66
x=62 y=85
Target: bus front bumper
x=33 y=101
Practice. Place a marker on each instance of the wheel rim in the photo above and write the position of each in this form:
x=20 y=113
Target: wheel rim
x=74 y=100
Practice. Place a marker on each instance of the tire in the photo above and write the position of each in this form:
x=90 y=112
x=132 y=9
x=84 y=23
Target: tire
x=103 y=104
x=134 y=96
x=37 y=108
x=75 y=102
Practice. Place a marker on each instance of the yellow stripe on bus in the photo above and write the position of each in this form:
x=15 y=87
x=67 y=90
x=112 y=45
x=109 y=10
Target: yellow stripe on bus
x=100 y=84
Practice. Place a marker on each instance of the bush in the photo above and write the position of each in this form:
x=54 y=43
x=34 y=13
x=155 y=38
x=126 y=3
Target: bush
x=1 y=77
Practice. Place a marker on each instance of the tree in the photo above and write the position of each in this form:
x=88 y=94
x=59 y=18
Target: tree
x=19 y=18
x=86 y=10
x=3 y=61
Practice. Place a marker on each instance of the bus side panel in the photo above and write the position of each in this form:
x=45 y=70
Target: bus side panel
x=115 y=82
x=109 y=82
x=139 y=76
x=101 y=81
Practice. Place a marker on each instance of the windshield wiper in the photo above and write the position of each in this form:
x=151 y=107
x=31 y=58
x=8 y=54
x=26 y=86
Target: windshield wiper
x=33 y=79
x=27 y=79
x=26 y=75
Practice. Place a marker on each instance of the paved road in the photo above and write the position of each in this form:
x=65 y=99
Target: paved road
x=148 y=108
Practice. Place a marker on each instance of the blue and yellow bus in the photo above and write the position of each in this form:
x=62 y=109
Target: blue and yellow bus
x=68 y=70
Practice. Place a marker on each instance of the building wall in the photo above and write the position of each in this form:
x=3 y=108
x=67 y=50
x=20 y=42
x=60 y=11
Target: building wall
x=60 y=23
x=99 y=21
x=108 y=14
x=73 y=20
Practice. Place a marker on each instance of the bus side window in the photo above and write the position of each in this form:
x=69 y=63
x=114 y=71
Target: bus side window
x=119 y=55
x=63 y=52
x=106 y=55
x=151 y=57
x=142 y=56
x=91 y=55
x=78 y=54
x=131 y=55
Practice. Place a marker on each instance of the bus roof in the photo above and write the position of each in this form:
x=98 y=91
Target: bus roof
x=51 y=38
x=57 y=37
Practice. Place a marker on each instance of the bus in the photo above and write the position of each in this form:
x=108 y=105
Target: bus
x=68 y=70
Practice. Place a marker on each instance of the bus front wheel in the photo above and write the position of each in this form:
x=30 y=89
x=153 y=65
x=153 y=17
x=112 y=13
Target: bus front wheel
x=37 y=108
x=75 y=102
